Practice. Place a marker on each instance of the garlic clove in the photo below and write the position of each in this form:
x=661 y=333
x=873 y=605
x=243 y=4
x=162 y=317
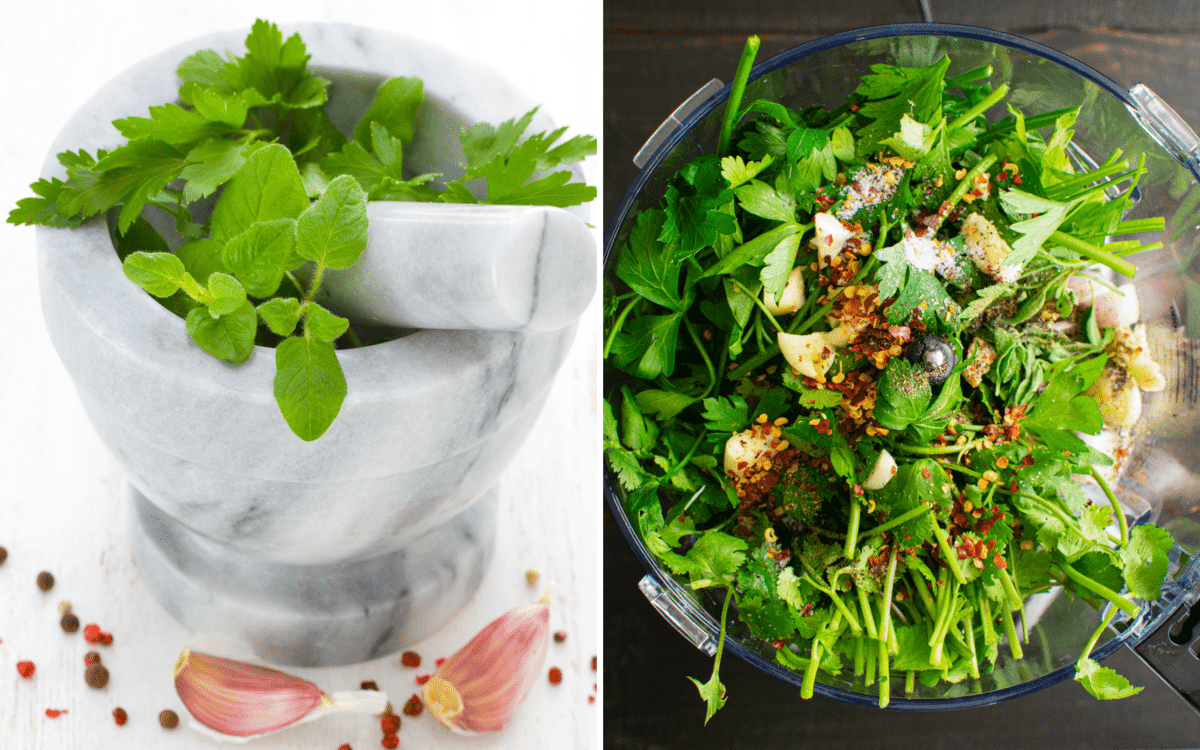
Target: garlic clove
x=480 y=687
x=1114 y=309
x=831 y=236
x=882 y=472
x=232 y=699
x=790 y=299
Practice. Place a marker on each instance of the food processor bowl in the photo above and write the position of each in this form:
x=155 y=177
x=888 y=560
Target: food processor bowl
x=1160 y=472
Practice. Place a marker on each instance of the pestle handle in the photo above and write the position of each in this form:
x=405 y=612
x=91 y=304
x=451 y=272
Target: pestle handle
x=468 y=266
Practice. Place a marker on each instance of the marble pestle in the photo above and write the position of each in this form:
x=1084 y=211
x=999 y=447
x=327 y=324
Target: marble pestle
x=468 y=266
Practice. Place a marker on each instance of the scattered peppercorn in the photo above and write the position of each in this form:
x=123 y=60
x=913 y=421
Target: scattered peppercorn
x=168 y=719
x=410 y=659
x=531 y=577
x=413 y=706
x=390 y=724
x=25 y=669
x=45 y=580
x=54 y=713
x=96 y=676
x=120 y=716
x=3 y=555
x=555 y=675
x=90 y=658
x=390 y=741
x=368 y=685
x=560 y=636
x=64 y=607
x=69 y=622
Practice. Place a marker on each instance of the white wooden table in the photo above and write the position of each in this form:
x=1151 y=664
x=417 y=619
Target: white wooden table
x=61 y=495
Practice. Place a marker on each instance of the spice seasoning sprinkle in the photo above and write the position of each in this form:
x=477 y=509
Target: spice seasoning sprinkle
x=390 y=724
x=560 y=636
x=3 y=555
x=25 y=669
x=532 y=576
x=119 y=716
x=368 y=685
x=555 y=675
x=90 y=658
x=344 y=746
x=593 y=664
x=96 y=676
x=439 y=661
x=390 y=741
x=413 y=706
x=168 y=719
x=45 y=580
x=54 y=713
x=423 y=678
x=69 y=622
x=410 y=659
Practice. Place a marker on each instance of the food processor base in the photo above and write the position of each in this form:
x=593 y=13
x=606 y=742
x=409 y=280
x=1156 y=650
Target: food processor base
x=315 y=615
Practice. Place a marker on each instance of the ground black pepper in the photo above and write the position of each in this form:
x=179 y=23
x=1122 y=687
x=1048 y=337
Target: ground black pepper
x=96 y=676
x=69 y=622
x=168 y=719
x=45 y=580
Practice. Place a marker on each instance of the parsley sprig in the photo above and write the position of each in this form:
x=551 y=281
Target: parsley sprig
x=293 y=194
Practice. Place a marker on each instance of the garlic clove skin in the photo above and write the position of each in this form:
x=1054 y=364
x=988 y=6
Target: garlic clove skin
x=480 y=687
x=236 y=700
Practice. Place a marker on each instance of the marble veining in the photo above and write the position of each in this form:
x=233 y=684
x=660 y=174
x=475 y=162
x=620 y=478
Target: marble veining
x=370 y=538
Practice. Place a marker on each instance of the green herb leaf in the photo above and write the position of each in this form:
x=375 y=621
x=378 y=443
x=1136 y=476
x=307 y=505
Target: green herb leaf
x=904 y=394
x=228 y=295
x=333 y=231
x=265 y=188
x=1145 y=560
x=261 y=255
x=229 y=336
x=1102 y=682
x=160 y=274
x=322 y=324
x=395 y=108
x=281 y=314
x=309 y=385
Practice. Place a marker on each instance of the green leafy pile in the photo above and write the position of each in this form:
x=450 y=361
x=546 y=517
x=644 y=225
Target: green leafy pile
x=927 y=575
x=293 y=195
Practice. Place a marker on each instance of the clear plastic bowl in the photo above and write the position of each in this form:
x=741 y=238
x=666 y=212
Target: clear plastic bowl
x=1159 y=481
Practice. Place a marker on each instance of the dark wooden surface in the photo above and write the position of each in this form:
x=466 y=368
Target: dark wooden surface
x=657 y=52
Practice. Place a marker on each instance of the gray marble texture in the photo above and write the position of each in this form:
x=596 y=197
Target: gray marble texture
x=316 y=615
x=430 y=421
x=468 y=266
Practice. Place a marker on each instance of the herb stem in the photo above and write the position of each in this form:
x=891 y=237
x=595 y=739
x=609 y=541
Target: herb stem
x=1010 y=632
x=1091 y=644
x=1116 y=505
x=984 y=104
x=962 y=187
x=939 y=450
x=868 y=618
x=712 y=374
x=852 y=528
x=761 y=306
x=1088 y=250
x=947 y=551
x=612 y=334
x=736 y=90
x=810 y=674
x=1098 y=588
x=905 y=517
x=983 y=71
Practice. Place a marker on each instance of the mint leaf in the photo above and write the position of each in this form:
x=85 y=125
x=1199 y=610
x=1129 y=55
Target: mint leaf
x=322 y=324
x=229 y=336
x=201 y=258
x=261 y=255
x=228 y=296
x=394 y=108
x=265 y=188
x=160 y=274
x=309 y=385
x=1102 y=682
x=1145 y=560
x=281 y=314
x=333 y=231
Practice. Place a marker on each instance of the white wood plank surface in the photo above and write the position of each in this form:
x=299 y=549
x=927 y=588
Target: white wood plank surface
x=61 y=496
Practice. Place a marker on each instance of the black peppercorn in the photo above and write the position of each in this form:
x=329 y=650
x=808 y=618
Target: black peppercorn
x=45 y=580
x=69 y=622
x=168 y=719
x=3 y=555
x=96 y=676
x=934 y=356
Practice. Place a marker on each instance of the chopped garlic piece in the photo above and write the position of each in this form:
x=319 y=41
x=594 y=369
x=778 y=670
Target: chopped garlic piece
x=1119 y=397
x=831 y=236
x=1133 y=353
x=811 y=354
x=1116 y=309
x=987 y=249
x=792 y=297
x=882 y=472
x=745 y=449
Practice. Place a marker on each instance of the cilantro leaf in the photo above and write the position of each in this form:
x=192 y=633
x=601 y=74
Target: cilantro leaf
x=647 y=267
x=891 y=92
x=726 y=414
x=737 y=171
x=1145 y=560
x=651 y=342
x=692 y=205
x=1034 y=231
x=712 y=561
x=1102 y=682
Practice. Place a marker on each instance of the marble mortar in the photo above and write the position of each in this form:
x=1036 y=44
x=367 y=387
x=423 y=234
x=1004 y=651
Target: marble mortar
x=314 y=554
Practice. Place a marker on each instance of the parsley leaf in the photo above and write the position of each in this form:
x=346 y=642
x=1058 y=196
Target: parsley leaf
x=1145 y=560
x=1102 y=682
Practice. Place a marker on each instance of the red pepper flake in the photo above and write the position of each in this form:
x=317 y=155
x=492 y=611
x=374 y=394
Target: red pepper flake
x=413 y=706
x=560 y=636
x=344 y=746
x=106 y=639
x=999 y=560
x=410 y=659
x=439 y=661
x=555 y=675
x=390 y=741
x=93 y=634
x=54 y=713
x=90 y=658
x=423 y=678
x=390 y=724
x=25 y=669
x=368 y=685
x=591 y=699
x=925 y=472
x=593 y=664
x=121 y=717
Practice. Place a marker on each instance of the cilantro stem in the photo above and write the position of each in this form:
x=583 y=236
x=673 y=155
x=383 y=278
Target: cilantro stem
x=735 y=94
x=1091 y=644
x=612 y=334
x=885 y=617
x=712 y=374
x=814 y=664
x=1010 y=589
x=1098 y=588
x=1088 y=250
x=983 y=71
x=982 y=106
x=894 y=522
x=864 y=605
x=852 y=527
x=948 y=553
x=682 y=462
x=837 y=602
x=1031 y=123
x=1010 y=632
x=885 y=675
x=1116 y=505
